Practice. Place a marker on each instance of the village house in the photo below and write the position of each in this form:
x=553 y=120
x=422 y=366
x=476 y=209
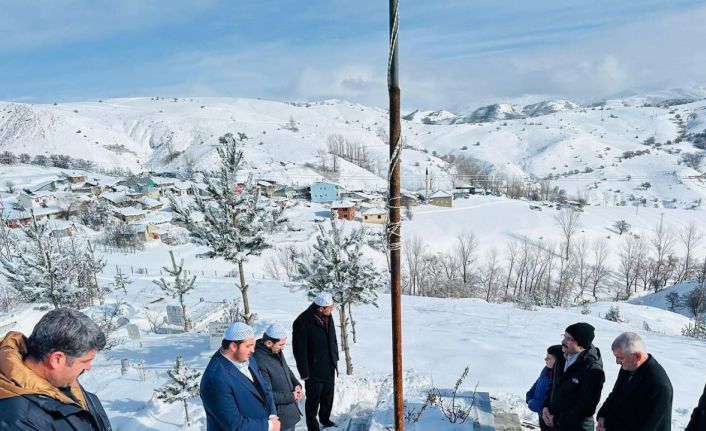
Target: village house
x=91 y=187
x=149 y=204
x=182 y=188
x=144 y=186
x=31 y=200
x=117 y=199
x=163 y=184
x=324 y=192
x=441 y=199
x=266 y=187
x=74 y=177
x=408 y=200
x=60 y=228
x=144 y=232
x=282 y=191
x=129 y=214
x=344 y=209
x=374 y=215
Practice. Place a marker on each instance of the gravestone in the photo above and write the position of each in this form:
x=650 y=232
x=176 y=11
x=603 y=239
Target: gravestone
x=507 y=422
x=133 y=332
x=174 y=316
x=124 y=366
x=122 y=321
x=215 y=333
x=482 y=411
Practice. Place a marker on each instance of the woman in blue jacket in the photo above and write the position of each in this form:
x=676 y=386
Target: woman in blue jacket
x=540 y=389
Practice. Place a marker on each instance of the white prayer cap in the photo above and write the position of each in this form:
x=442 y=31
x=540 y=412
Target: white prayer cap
x=323 y=299
x=238 y=331
x=276 y=331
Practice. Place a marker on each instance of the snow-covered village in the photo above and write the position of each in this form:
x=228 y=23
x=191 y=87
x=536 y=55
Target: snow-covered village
x=243 y=257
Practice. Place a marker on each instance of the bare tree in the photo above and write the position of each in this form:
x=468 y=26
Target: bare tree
x=663 y=243
x=599 y=268
x=413 y=252
x=690 y=237
x=490 y=274
x=569 y=223
x=621 y=226
x=466 y=245
x=629 y=256
x=583 y=269
x=512 y=249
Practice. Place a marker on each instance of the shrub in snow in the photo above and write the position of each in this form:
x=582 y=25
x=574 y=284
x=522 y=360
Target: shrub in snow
x=613 y=315
x=452 y=408
x=585 y=309
x=697 y=329
x=183 y=386
x=178 y=289
x=412 y=415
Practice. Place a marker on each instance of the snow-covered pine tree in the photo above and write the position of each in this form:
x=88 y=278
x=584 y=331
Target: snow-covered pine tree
x=86 y=264
x=235 y=221
x=337 y=266
x=121 y=281
x=40 y=270
x=183 y=386
x=181 y=286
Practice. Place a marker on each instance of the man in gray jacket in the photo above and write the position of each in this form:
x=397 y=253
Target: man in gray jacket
x=286 y=389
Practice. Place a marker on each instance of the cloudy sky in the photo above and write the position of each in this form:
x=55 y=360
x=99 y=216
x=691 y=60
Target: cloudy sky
x=454 y=54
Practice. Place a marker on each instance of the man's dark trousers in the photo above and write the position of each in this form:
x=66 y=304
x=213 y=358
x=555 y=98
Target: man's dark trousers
x=319 y=395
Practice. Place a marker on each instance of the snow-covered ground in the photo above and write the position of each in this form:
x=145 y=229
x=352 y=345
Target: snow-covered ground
x=502 y=344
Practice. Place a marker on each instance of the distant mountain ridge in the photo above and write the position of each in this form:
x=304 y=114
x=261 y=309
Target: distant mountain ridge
x=494 y=112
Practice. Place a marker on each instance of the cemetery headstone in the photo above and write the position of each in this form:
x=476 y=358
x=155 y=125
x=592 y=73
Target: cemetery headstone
x=133 y=332
x=174 y=316
x=215 y=333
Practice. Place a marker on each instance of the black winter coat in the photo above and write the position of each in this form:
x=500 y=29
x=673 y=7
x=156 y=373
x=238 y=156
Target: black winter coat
x=640 y=403
x=315 y=347
x=576 y=392
x=38 y=412
x=698 y=416
x=279 y=377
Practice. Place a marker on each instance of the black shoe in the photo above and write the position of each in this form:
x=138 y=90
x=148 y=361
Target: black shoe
x=328 y=424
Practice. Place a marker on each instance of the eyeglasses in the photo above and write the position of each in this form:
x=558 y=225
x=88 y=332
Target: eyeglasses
x=568 y=337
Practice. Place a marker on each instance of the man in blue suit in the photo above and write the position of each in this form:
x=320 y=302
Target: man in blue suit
x=234 y=394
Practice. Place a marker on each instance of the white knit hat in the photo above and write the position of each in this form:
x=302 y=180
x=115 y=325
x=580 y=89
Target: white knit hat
x=276 y=331
x=323 y=299
x=238 y=331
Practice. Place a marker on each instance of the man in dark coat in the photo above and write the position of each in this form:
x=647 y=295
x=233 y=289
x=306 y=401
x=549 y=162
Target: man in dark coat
x=573 y=399
x=316 y=352
x=234 y=394
x=698 y=416
x=641 y=399
x=39 y=388
x=286 y=389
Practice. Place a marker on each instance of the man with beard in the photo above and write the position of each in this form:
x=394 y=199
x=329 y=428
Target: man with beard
x=286 y=389
x=39 y=388
x=573 y=400
x=641 y=399
x=234 y=394
x=316 y=352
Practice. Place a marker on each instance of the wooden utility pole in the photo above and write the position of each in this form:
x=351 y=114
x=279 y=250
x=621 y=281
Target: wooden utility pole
x=394 y=225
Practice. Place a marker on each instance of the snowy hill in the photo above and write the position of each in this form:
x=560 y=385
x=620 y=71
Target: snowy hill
x=618 y=152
